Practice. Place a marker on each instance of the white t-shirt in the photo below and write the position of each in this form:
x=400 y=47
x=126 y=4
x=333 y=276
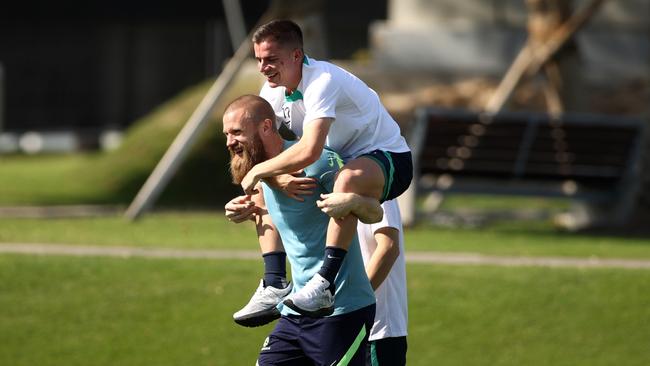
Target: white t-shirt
x=361 y=123
x=391 y=317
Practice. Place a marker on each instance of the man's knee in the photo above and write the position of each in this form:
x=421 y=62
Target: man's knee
x=366 y=182
x=348 y=180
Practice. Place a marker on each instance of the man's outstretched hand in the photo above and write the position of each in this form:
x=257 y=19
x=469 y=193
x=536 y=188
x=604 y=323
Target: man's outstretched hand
x=338 y=205
x=294 y=185
x=249 y=182
x=240 y=209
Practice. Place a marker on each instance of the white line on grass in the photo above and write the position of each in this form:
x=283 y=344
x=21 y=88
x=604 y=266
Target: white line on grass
x=412 y=257
x=125 y=252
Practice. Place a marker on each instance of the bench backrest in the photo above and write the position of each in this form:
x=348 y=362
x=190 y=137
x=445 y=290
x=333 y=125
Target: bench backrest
x=596 y=153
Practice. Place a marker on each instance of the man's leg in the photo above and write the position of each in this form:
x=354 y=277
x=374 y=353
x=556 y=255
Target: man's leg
x=397 y=169
x=275 y=259
x=388 y=351
x=282 y=347
x=362 y=176
x=338 y=340
x=261 y=309
x=379 y=176
x=358 y=188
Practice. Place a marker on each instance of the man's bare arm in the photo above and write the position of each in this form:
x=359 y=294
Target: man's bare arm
x=383 y=258
x=306 y=151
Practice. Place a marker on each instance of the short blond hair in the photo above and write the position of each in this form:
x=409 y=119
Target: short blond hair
x=256 y=108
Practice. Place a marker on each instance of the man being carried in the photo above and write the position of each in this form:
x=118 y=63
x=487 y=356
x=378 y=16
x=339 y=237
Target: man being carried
x=325 y=105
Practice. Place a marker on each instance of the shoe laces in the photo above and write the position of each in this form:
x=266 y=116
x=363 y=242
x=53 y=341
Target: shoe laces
x=315 y=286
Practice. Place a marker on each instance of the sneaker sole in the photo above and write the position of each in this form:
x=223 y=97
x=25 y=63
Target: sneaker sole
x=320 y=313
x=258 y=319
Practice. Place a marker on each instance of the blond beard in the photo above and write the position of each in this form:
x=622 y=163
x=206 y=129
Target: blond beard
x=252 y=153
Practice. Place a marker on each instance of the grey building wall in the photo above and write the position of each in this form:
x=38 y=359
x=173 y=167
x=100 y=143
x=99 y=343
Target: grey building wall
x=471 y=37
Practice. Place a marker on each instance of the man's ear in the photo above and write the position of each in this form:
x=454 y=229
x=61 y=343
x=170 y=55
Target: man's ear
x=267 y=125
x=297 y=55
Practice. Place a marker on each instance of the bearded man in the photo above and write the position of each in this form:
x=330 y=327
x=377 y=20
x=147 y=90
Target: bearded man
x=251 y=138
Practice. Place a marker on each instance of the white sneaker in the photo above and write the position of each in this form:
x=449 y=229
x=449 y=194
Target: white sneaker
x=315 y=299
x=261 y=309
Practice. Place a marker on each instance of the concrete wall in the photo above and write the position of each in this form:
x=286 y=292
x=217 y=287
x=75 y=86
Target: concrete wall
x=476 y=37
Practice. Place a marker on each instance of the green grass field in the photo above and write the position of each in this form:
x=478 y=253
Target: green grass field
x=101 y=311
x=211 y=230
x=26 y=180
x=107 y=311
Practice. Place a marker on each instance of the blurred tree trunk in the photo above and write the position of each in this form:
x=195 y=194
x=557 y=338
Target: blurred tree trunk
x=565 y=90
x=562 y=74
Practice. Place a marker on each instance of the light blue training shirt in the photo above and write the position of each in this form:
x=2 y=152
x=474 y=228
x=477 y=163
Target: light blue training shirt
x=303 y=229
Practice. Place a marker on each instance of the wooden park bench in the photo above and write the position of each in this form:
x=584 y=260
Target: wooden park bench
x=584 y=157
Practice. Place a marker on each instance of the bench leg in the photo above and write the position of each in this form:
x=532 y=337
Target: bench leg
x=585 y=215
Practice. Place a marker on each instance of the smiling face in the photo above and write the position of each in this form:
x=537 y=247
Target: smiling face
x=280 y=64
x=243 y=142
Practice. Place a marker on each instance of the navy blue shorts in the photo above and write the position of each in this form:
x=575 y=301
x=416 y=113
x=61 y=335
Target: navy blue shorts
x=306 y=341
x=387 y=351
x=398 y=171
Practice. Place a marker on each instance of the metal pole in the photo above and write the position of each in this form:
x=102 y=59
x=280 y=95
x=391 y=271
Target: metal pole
x=2 y=97
x=179 y=149
x=235 y=21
